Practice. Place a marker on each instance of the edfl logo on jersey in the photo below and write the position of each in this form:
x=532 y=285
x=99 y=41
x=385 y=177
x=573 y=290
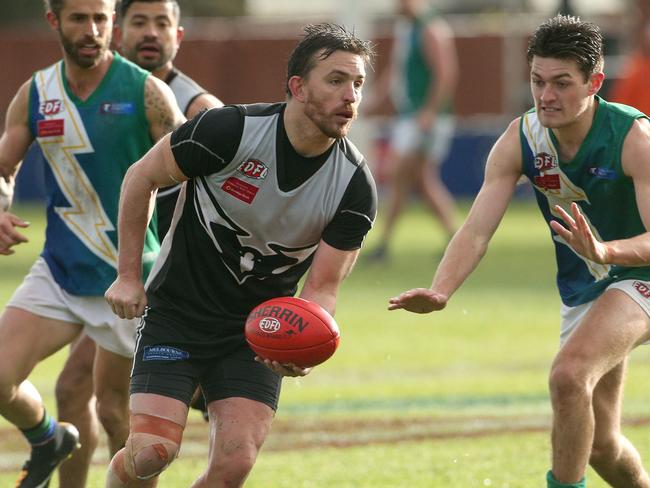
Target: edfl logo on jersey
x=253 y=168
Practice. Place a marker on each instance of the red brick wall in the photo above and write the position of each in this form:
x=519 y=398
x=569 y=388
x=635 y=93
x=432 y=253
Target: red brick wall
x=240 y=70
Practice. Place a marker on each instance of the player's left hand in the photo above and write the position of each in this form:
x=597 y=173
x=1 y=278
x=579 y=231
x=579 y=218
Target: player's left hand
x=9 y=236
x=577 y=234
x=283 y=369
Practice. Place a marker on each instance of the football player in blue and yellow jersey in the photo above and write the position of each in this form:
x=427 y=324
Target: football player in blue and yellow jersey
x=93 y=114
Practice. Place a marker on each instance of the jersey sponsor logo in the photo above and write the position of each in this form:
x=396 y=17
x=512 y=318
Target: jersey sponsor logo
x=51 y=107
x=117 y=108
x=240 y=189
x=548 y=182
x=602 y=173
x=544 y=161
x=643 y=289
x=164 y=353
x=269 y=325
x=50 y=128
x=254 y=168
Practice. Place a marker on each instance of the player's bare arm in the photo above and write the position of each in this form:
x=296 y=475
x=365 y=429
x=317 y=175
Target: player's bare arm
x=328 y=270
x=14 y=142
x=161 y=108
x=205 y=101
x=634 y=251
x=156 y=169
x=440 y=52
x=17 y=137
x=470 y=243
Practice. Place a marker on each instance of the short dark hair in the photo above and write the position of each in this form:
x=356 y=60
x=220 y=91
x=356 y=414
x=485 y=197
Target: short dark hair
x=124 y=6
x=568 y=37
x=322 y=40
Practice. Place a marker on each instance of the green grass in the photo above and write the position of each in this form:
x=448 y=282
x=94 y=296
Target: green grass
x=500 y=461
x=455 y=398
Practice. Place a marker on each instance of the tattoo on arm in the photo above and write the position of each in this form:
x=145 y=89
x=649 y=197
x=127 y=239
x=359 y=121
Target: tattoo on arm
x=161 y=113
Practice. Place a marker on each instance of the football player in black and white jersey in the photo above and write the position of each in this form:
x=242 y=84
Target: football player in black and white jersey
x=270 y=192
x=148 y=32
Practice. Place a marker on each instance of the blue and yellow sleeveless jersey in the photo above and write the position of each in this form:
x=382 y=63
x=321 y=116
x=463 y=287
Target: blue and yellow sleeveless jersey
x=88 y=146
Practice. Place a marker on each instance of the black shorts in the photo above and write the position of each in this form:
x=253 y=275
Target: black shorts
x=172 y=360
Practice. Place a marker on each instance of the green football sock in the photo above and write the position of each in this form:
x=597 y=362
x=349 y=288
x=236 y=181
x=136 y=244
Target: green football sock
x=42 y=432
x=551 y=483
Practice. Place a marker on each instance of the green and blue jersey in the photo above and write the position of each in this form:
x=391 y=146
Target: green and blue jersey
x=88 y=146
x=414 y=72
x=595 y=180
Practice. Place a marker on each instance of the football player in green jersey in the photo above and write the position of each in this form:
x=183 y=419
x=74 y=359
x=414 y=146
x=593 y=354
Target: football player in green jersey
x=147 y=33
x=589 y=162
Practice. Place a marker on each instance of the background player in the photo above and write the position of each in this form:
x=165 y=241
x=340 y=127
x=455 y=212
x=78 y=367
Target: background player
x=92 y=114
x=422 y=78
x=148 y=33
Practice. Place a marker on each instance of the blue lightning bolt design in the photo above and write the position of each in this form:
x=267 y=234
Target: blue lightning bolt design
x=85 y=216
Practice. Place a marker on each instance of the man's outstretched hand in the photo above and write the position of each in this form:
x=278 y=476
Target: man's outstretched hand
x=418 y=300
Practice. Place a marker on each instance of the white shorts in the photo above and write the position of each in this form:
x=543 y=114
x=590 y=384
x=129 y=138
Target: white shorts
x=637 y=290
x=41 y=295
x=435 y=144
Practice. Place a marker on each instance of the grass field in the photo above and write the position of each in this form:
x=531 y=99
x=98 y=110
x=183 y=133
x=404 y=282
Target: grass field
x=457 y=398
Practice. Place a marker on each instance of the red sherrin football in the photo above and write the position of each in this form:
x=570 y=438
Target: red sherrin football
x=292 y=330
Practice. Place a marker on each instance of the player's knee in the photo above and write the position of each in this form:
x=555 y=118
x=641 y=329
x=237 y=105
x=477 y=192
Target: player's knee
x=113 y=417
x=150 y=460
x=233 y=467
x=69 y=397
x=566 y=382
x=113 y=411
x=121 y=474
x=152 y=446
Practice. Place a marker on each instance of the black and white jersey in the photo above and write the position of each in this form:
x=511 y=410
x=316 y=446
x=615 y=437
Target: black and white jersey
x=185 y=91
x=252 y=214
